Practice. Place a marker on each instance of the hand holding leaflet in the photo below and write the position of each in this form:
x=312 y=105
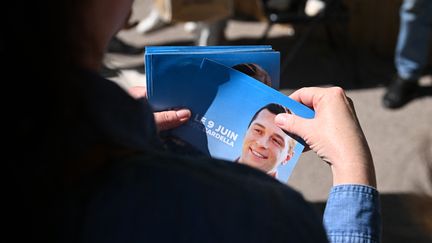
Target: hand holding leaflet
x=346 y=152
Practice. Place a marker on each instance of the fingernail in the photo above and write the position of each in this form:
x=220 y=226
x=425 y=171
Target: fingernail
x=183 y=114
x=280 y=119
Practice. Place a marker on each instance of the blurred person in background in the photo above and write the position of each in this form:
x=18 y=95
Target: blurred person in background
x=412 y=51
x=211 y=31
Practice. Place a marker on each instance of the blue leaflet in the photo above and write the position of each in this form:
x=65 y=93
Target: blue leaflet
x=222 y=100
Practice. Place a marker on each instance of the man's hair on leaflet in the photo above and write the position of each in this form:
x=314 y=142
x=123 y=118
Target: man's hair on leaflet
x=272 y=108
x=255 y=71
x=275 y=109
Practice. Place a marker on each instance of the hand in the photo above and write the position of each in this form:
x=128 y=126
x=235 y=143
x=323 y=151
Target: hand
x=334 y=134
x=165 y=119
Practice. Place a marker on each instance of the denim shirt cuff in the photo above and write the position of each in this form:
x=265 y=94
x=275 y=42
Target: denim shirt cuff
x=353 y=214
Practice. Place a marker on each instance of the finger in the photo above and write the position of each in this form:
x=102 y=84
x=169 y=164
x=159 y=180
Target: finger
x=293 y=124
x=138 y=92
x=314 y=96
x=306 y=96
x=171 y=119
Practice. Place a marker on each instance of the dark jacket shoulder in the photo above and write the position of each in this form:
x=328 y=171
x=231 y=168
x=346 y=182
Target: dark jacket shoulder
x=166 y=198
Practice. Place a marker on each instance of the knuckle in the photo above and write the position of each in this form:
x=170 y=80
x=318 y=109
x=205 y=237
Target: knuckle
x=338 y=92
x=164 y=120
x=169 y=117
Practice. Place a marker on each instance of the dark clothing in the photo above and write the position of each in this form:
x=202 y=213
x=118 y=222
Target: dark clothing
x=161 y=198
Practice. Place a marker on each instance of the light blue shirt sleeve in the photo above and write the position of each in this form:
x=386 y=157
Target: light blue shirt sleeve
x=353 y=214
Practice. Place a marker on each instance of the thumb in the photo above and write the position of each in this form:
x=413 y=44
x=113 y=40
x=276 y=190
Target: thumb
x=293 y=124
x=171 y=119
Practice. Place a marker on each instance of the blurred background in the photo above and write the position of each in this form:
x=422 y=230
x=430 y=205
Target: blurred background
x=348 y=43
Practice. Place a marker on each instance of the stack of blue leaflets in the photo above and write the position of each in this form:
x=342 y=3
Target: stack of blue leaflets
x=233 y=94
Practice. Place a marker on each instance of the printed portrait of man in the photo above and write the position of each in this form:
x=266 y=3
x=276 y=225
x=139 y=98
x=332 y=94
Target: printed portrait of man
x=265 y=145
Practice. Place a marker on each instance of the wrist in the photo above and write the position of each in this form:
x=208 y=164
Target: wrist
x=361 y=173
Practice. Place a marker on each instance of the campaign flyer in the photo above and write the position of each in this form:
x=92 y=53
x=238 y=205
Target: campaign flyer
x=232 y=115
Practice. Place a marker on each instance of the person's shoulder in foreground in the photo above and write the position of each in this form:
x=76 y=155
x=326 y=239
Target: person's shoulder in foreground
x=165 y=198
